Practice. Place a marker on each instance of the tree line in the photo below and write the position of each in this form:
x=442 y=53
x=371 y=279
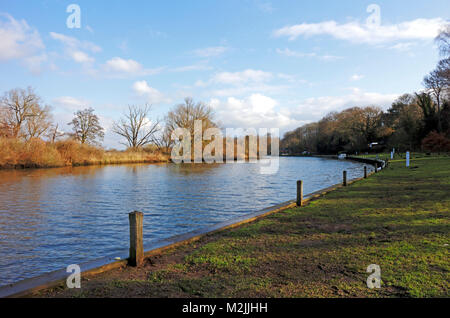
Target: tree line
x=23 y=116
x=418 y=122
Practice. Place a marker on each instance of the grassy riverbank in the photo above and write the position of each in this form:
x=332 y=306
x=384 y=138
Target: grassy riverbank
x=398 y=219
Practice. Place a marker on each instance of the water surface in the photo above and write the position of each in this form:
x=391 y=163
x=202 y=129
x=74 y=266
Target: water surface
x=50 y=218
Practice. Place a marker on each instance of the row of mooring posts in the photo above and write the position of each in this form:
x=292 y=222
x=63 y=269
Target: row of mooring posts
x=136 y=219
x=344 y=183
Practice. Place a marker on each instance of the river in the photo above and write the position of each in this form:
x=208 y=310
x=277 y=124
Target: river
x=50 y=218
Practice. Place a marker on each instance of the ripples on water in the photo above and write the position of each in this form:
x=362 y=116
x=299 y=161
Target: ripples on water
x=50 y=218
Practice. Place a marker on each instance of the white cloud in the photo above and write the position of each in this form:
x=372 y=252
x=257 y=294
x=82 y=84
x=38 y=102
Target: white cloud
x=152 y=95
x=290 y=53
x=76 y=49
x=20 y=41
x=419 y=29
x=70 y=103
x=287 y=52
x=254 y=111
x=356 y=77
x=118 y=66
x=211 y=51
x=241 y=90
x=402 y=46
x=238 y=78
x=316 y=107
x=75 y=43
x=260 y=111
x=224 y=84
x=81 y=57
x=193 y=67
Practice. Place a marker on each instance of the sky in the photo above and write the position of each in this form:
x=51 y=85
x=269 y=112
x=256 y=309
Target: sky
x=258 y=64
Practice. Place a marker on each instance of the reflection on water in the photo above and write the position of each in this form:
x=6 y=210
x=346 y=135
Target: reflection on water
x=50 y=218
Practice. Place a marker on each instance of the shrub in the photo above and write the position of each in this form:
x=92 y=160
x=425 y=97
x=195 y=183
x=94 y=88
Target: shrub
x=436 y=142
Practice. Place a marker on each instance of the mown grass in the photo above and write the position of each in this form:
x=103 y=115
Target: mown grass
x=402 y=155
x=397 y=219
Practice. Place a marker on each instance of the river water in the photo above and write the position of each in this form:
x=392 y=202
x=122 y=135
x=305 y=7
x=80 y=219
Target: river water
x=50 y=218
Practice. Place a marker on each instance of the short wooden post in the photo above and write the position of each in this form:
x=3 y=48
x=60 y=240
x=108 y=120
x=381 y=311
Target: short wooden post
x=136 y=238
x=299 y=193
x=365 y=172
x=344 y=177
x=376 y=167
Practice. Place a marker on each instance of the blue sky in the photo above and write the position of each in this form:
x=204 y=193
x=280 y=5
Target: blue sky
x=274 y=64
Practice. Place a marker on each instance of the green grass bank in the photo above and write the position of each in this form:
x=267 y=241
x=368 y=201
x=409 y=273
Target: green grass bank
x=397 y=219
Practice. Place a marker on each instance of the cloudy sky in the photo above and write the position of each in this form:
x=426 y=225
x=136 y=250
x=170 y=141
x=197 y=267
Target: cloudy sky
x=260 y=64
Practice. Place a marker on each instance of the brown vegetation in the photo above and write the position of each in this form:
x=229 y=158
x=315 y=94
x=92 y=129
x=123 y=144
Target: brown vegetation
x=36 y=153
x=436 y=142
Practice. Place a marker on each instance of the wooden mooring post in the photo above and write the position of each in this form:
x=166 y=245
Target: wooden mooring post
x=299 y=193
x=365 y=172
x=376 y=167
x=344 y=178
x=136 y=238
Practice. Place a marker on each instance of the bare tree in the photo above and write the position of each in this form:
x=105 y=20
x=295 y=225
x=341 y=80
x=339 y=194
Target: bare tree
x=184 y=116
x=53 y=133
x=86 y=126
x=164 y=140
x=443 y=71
x=18 y=105
x=5 y=128
x=137 y=129
x=38 y=123
x=443 y=41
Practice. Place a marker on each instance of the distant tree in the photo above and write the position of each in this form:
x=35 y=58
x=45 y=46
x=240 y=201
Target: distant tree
x=436 y=83
x=164 y=141
x=407 y=128
x=425 y=102
x=86 y=126
x=137 y=129
x=184 y=116
x=54 y=133
x=443 y=71
x=436 y=142
x=5 y=128
x=392 y=115
x=18 y=105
